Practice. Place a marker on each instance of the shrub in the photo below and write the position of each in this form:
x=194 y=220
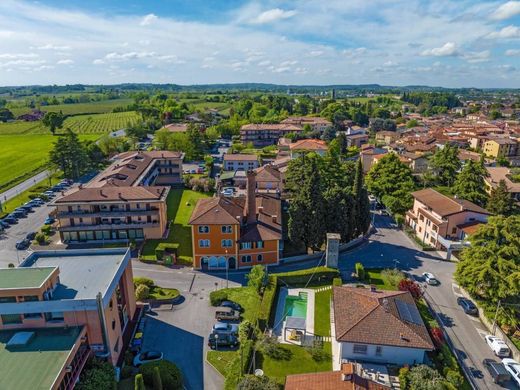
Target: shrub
x=40 y=238
x=97 y=375
x=392 y=276
x=10 y=265
x=424 y=377
x=139 y=382
x=411 y=286
x=454 y=377
x=318 y=353
x=171 y=376
x=46 y=229
x=142 y=292
x=252 y=382
x=143 y=281
x=272 y=348
x=337 y=282
x=399 y=219
x=256 y=277
x=246 y=330
x=360 y=271
x=216 y=297
x=403 y=377
x=163 y=247
x=157 y=382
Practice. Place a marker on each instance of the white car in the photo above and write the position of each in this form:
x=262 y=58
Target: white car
x=225 y=327
x=146 y=357
x=497 y=345
x=430 y=278
x=513 y=367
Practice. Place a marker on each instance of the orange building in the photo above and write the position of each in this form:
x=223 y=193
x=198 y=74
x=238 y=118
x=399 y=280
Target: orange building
x=237 y=232
x=68 y=305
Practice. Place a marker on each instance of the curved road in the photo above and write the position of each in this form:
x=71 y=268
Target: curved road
x=23 y=186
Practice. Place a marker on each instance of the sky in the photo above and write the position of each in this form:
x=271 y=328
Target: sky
x=449 y=43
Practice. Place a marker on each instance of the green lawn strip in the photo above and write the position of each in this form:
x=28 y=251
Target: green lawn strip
x=300 y=362
x=374 y=276
x=157 y=292
x=220 y=360
x=322 y=312
x=180 y=205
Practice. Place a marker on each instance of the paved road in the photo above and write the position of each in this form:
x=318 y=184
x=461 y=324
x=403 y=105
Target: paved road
x=33 y=221
x=23 y=186
x=387 y=247
x=181 y=331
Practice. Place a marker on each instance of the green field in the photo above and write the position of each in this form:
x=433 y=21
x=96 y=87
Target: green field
x=100 y=107
x=82 y=124
x=20 y=154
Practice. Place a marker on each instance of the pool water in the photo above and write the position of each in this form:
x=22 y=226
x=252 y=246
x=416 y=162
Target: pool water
x=296 y=306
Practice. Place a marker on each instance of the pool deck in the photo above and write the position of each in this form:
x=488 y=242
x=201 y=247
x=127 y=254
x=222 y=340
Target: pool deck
x=279 y=327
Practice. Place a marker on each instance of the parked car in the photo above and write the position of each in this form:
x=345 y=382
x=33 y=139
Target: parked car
x=4 y=224
x=513 y=367
x=24 y=244
x=11 y=219
x=430 y=279
x=227 y=192
x=227 y=314
x=468 y=306
x=146 y=357
x=19 y=213
x=38 y=201
x=232 y=305
x=49 y=221
x=498 y=346
x=30 y=236
x=225 y=327
x=218 y=340
x=27 y=208
x=497 y=371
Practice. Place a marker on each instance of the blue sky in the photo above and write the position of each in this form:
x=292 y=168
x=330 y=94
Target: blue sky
x=451 y=43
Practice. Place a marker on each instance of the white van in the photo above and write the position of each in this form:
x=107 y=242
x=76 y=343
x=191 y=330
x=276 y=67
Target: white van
x=498 y=345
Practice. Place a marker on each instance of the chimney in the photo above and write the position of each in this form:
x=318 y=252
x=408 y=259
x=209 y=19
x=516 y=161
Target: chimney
x=251 y=197
x=385 y=304
x=346 y=377
x=372 y=288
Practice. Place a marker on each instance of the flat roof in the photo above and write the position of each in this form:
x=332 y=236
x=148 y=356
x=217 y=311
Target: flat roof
x=82 y=273
x=24 y=277
x=36 y=364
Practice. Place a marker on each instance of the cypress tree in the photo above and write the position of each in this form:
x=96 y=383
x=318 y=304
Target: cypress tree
x=139 y=382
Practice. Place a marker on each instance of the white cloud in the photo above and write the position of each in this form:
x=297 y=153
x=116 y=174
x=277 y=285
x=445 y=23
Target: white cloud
x=65 y=62
x=264 y=63
x=288 y=63
x=316 y=53
x=148 y=19
x=50 y=46
x=446 y=50
x=506 y=10
x=273 y=15
x=12 y=56
x=355 y=52
x=509 y=32
x=480 y=56
x=98 y=61
x=282 y=69
x=512 y=52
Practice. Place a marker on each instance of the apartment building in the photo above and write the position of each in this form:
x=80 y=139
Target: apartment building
x=497 y=174
x=127 y=201
x=501 y=147
x=316 y=123
x=437 y=219
x=240 y=162
x=308 y=145
x=57 y=309
x=265 y=134
x=237 y=232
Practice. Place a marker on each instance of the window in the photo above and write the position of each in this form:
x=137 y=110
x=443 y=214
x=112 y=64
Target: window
x=56 y=316
x=8 y=319
x=227 y=243
x=379 y=350
x=7 y=299
x=227 y=229
x=28 y=316
x=454 y=230
x=421 y=218
x=360 y=349
x=204 y=243
x=203 y=229
x=259 y=258
x=116 y=347
x=245 y=245
x=113 y=324
x=245 y=259
x=260 y=244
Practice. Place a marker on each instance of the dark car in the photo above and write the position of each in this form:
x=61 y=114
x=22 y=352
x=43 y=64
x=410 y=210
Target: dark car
x=27 y=208
x=49 y=221
x=30 y=236
x=232 y=305
x=11 y=219
x=24 y=244
x=4 y=224
x=497 y=371
x=219 y=340
x=468 y=306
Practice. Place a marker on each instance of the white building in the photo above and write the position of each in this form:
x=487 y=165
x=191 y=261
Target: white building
x=242 y=162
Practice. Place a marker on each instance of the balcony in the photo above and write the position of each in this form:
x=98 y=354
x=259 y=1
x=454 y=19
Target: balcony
x=107 y=213
x=109 y=226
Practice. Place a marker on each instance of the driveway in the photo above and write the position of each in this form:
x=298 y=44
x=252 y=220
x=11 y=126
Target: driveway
x=180 y=331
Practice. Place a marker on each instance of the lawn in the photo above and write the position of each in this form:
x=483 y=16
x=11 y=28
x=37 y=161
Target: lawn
x=300 y=361
x=322 y=312
x=22 y=156
x=180 y=206
x=374 y=276
x=157 y=292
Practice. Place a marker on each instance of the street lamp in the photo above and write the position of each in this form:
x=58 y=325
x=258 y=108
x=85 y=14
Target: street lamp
x=216 y=341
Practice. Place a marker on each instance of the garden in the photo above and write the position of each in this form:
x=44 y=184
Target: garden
x=146 y=290
x=180 y=205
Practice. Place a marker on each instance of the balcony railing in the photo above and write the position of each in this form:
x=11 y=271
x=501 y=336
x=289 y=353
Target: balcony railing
x=106 y=213
x=109 y=226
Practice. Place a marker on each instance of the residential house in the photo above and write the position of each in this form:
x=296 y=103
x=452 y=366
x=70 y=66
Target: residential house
x=438 y=219
x=126 y=201
x=269 y=179
x=33 y=116
x=316 y=123
x=368 y=154
x=387 y=137
x=265 y=134
x=501 y=148
x=496 y=174
x=283 y=144
x=350 y=377
x=242 y=162
x=357 y=140
x=308 y=145
x=58 y=309
x=237 y=232
x=418 y=163
x=379 y=326
x=177 y=127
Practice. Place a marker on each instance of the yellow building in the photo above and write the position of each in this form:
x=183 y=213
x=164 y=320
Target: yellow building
x=501 y=147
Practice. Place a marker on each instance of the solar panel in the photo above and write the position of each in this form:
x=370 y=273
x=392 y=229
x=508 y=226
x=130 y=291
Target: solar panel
x=408 y=312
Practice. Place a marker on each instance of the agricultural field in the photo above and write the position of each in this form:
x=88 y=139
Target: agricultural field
x=82 y=124
x=100 y=107
x=21 y=154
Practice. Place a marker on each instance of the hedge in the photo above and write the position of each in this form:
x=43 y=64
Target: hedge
x=171 y=376
x=337 y=282
x=313 y=277
x=268 y=300
x=165 y=247
x=360 y=271
x=216 y=297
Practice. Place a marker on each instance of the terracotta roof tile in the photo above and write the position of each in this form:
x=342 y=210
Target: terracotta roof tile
x=445 y=205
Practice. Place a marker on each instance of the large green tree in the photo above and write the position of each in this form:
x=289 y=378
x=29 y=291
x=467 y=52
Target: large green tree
x=500 y=201
x=391 y=181
x=53 y=120
x=470 y=185
x=445 y=164
x=490 y=268
x=70 y=155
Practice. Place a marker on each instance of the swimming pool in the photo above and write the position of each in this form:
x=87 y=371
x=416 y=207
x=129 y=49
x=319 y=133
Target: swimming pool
x=296 y=305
